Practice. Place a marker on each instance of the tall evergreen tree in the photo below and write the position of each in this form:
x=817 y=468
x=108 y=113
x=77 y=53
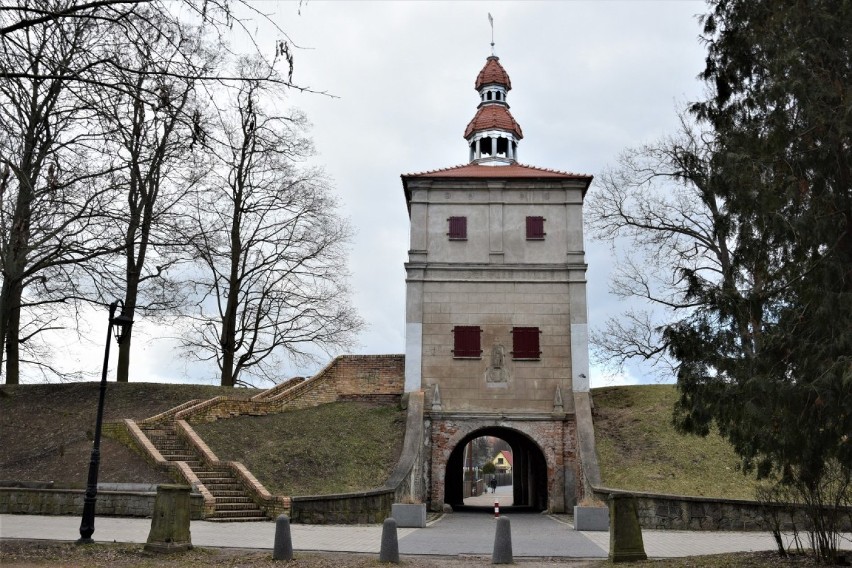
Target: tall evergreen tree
x=771 y=362
x=742 y=226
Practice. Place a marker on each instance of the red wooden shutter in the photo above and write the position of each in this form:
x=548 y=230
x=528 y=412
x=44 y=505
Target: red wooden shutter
x=466 y=341
x=535 y=228
x=525 y=343
x=458 y=228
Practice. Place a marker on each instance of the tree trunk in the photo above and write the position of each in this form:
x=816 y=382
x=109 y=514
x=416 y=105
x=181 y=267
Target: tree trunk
x=13 y=358
x=13 y=275
x=229 y=329
x=10 y=319
x=123 y=370
x=133 y=275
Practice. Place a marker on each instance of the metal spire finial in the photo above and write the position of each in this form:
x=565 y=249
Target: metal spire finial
x=491 y=21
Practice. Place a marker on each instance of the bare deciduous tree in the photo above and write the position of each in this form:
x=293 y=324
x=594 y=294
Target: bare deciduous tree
x=271 y=248
x=52 y=195
x=153 y=118
x=659 y=202
x=132 y=18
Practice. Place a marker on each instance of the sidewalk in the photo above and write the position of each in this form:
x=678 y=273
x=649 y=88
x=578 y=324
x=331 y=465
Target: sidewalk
x=533 y=535
x=503 y=494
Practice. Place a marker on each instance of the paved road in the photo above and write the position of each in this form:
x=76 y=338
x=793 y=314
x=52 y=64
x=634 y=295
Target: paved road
x=533 y=535
x=503 y=494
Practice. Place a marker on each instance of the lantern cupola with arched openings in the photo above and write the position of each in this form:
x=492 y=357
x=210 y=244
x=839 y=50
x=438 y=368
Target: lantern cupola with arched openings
x=493 y=134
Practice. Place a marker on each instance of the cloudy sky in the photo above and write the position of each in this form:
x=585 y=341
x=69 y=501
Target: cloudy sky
x=589 y=79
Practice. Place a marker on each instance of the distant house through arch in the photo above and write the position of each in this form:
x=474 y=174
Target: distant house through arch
x=529 y=481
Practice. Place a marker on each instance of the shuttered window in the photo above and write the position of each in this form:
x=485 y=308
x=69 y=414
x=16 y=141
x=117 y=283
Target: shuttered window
x=466 y=341
x=535 y=228
x=525 y=343
x=458 y=228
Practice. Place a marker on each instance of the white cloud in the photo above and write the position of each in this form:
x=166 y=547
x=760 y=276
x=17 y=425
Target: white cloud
x=588 y=78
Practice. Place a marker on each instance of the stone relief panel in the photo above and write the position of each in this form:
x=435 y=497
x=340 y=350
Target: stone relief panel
x=497 y=373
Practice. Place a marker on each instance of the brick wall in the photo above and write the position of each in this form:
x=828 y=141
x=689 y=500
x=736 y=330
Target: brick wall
x=348 y=377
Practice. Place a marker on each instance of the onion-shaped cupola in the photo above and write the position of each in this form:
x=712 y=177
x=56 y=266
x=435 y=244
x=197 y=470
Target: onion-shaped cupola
x=493 y=134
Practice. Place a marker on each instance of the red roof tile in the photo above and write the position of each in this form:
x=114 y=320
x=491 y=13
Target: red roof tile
x=510 y=171
x=493 y=72
x=493 y=116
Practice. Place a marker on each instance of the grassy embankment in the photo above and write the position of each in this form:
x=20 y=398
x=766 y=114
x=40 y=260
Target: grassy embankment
x=639 y=449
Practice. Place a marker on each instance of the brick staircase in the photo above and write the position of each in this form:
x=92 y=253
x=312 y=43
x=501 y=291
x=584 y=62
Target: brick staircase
x=232 y=501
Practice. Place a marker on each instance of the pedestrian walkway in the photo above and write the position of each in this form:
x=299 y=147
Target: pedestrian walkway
x=533 y=535
x=503 y=495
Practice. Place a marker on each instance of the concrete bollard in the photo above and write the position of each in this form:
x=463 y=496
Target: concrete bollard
x=283 y=548
x=502 y=542
x=625 y=534
x=390 y=545
x=170 y=521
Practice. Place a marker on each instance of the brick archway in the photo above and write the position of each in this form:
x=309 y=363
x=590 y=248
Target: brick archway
x=529 y=469
x=540 y=460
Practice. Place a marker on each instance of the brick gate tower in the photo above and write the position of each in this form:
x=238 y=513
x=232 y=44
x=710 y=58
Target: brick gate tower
x=496 y=325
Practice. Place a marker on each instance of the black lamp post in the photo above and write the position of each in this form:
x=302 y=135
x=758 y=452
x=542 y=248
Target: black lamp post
x=121 y=324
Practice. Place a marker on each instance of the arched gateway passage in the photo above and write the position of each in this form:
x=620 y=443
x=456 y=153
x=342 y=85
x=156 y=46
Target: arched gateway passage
x=529 y=486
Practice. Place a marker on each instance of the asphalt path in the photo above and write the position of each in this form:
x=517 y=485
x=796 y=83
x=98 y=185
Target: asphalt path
x=532 y=534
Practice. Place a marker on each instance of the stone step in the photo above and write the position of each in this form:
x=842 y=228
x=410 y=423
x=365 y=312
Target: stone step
x=229 y=519
x=171 y=447
x=181 y=459
x=232 y=500
x=238 y=514
x=171 y=444
x=240 y=508
x=163 y=438
x=225 y=493
x=174 y=456
x=204 y=474
x=177 y=452
x=159 y=430
x=215 y=470
x=214 y=488
x=215 y=479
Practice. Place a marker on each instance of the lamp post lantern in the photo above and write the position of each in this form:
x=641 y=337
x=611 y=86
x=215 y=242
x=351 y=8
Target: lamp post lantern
x=121 y=324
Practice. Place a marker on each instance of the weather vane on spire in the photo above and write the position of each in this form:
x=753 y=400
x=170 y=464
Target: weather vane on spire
x=491 y=21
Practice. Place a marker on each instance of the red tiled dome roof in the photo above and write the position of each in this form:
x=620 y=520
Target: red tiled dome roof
x=493 y=72
x=493 y=117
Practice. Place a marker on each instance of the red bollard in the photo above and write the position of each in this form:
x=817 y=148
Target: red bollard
x=496 y=508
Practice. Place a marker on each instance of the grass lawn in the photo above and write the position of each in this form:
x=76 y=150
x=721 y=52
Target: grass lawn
x=640 y=450
x=332 y=448
x=46 y=429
